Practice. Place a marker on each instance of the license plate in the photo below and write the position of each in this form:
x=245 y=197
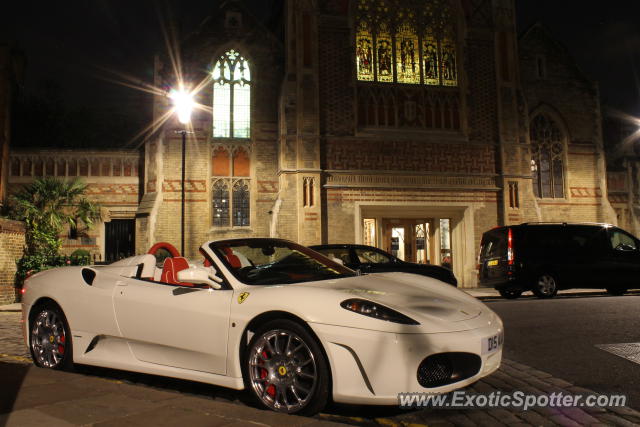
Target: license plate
x=492 y=263
x=493 y=343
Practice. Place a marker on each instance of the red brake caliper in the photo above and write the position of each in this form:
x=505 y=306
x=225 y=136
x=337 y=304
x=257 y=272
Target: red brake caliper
x=61 y=344
x=271 y=390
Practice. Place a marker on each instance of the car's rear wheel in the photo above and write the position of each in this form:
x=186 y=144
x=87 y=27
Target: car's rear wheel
x=285 y=369
x=616 y=291
x=545 y=286
x=50 y=339
x=510 y=293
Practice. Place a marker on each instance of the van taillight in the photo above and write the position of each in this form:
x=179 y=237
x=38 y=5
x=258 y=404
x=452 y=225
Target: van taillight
x=509 y=248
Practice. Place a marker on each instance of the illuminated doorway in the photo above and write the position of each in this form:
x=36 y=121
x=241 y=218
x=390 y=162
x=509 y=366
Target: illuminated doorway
x=423 y=241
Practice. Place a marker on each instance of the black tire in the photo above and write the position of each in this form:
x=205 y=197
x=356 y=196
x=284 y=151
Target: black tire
x=510 y=293
x=50 y=341
x=297 y=373
x=616 y=291
x=545 y=285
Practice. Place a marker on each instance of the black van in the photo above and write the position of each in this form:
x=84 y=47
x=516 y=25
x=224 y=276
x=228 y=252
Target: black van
x=545 y=257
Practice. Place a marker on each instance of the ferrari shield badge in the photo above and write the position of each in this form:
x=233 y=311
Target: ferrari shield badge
x=243 y=296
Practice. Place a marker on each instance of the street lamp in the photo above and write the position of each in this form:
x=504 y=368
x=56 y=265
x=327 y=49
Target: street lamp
x=183 y=105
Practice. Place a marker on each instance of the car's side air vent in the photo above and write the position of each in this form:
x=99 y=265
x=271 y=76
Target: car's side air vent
x=88 y=275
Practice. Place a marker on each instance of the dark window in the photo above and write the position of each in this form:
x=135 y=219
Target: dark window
x=371 y=256
x=341 y=254
x=241 y=203
x=494 y=244
x=220 y=204
x=547 y=151
x=581 y=237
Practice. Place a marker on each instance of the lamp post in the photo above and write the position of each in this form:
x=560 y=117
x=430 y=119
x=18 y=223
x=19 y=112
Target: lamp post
x=183 y=104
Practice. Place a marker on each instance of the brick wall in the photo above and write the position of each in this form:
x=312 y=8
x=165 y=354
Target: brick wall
x=11 y=248
x=482 y=98
x=336 y=85
x=561 y=91
x=111 y=177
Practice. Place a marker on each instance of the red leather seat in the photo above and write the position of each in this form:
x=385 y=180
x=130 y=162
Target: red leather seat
x=170 y=270
x=234 y=261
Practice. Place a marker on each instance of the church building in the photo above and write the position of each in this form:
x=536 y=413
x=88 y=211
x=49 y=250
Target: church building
x=410 y=125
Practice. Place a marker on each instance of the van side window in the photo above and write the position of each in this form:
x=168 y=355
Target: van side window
x=581 y=237
x=622 y=241
x=544 y=239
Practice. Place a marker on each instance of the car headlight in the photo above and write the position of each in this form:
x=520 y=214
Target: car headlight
x=377 y=311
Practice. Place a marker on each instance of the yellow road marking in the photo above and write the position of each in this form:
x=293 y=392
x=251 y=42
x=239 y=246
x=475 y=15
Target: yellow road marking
x=18 y=358
x=387 y=422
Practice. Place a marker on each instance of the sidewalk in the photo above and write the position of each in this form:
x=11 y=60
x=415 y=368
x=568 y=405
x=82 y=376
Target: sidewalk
x=30 y=396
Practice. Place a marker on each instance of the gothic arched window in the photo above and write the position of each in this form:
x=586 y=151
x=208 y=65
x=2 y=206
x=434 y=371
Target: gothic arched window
x=231 y=96
x=547 y=153
x=230 y=186
x=406 y=45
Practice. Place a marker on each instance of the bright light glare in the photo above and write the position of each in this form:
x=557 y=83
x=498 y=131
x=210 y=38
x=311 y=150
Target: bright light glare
x=183 y=104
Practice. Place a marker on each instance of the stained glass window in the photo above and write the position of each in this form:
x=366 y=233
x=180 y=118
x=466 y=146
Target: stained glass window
x=430 y=61
x=364 y=52
x=407 y=55
x=231 y=96
x=409 y=46
x=384 y=54
x=448 y=63
x=547 y=151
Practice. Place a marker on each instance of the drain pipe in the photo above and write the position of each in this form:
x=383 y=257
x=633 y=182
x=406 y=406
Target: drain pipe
x=275 y=210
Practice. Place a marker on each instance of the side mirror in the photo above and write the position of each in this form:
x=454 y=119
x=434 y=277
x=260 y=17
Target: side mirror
x=200 y=275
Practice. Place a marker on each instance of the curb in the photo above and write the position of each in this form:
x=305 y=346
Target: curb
x=11 y=308
x=560 y=294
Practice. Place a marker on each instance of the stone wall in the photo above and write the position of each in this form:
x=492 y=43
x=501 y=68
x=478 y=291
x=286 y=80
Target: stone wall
x=11 y=248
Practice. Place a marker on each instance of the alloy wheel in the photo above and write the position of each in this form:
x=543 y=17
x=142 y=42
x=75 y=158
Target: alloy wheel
x=283 y=370
x=546 y=286
x=49 y=341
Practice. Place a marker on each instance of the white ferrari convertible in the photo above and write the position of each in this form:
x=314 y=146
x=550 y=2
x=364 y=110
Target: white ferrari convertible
x=293 y=327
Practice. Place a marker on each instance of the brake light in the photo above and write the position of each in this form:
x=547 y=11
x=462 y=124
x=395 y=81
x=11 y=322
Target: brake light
x=509 y=247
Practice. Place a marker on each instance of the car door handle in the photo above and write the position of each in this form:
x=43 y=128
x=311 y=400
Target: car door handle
x=121 y=283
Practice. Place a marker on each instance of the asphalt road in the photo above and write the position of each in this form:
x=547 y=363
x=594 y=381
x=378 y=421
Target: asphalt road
x=560 y=335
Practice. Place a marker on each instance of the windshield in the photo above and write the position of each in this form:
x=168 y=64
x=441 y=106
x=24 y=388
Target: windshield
x=272 y=261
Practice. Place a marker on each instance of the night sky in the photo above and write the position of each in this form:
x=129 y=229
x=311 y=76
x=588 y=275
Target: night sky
x=70 y=43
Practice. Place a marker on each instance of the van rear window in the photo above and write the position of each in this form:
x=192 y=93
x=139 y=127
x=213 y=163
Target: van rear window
x=494 y=244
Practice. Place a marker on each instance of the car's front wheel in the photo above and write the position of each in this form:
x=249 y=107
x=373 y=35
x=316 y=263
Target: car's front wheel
x=50 y=339
x=616 y=291
x=545 y=286
x=286 y=370
x=509 y=293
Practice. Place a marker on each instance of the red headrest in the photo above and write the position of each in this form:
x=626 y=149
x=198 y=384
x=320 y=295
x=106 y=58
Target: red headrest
x=234 y=261
x=170 y=270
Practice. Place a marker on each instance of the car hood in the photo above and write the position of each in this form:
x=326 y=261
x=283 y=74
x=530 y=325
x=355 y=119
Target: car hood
x=413 y=295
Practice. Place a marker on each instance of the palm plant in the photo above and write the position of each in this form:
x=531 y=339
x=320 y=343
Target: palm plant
x=48 y=205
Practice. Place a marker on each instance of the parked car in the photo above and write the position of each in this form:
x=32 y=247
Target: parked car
x=288 y=324
x=369 y=259
x=546 y=257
